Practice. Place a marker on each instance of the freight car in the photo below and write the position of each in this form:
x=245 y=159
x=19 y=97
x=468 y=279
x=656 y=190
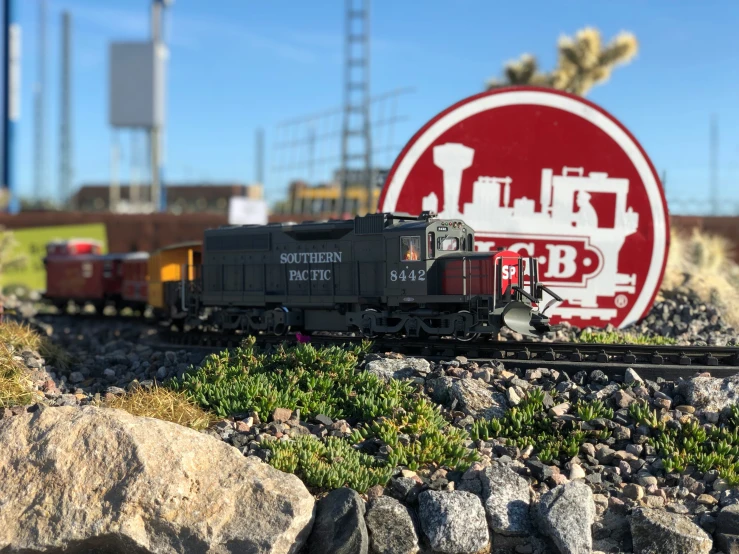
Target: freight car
x=391 y=274
x=78 y=272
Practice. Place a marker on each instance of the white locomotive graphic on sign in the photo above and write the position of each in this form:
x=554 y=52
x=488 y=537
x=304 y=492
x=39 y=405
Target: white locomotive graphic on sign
x=578 y=254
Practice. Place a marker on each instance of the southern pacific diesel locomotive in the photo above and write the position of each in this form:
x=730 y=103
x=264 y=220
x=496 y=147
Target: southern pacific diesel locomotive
x=380 y=274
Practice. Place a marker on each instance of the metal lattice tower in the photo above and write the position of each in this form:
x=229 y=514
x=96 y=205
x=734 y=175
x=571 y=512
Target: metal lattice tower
x=39 y=173
x=65 y=116
x=356 y=143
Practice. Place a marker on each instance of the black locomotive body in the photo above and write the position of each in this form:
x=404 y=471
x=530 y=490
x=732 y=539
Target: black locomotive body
x=377 y=274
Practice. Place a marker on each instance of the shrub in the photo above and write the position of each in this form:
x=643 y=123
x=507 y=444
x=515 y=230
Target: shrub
x=161 y=403
x=702 y=262
x=15 y=388
x=20 y=336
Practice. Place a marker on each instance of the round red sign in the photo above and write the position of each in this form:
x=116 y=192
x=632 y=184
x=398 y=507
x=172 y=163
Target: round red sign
x=550 y=175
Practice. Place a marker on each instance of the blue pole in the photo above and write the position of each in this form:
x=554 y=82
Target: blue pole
x=11 y=100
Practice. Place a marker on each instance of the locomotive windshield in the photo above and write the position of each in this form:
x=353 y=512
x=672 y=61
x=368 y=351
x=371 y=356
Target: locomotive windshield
x=410 y=249
x=448 y=244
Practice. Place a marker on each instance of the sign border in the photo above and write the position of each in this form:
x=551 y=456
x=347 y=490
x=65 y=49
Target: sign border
x=576 y=105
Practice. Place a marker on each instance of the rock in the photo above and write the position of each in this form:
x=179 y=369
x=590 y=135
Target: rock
x=728 y=520
x=566 y=514
x=623 y=399
x=559 y=409
x=728 y=544
x=506 y=496
x=339 y=525
x=710 y=393
x=539 y=470
x=96 y=478
x=323 y=420
x=281 y=415
x=633 y=491
x=657 y=531
x=453 y=522
x=631 y=376
x=577 y=472
x=473 y=397
x=403 y=368
x=391 y=527
x=76 y=377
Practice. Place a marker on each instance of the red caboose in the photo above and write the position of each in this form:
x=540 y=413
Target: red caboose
x=74 y=272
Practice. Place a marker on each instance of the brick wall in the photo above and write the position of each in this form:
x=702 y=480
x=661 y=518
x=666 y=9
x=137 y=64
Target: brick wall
x=126 y=232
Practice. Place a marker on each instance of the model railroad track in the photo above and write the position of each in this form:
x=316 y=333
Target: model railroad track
x=650 y=361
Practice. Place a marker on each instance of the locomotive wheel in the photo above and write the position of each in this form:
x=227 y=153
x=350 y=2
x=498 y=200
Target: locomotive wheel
x=366 y=334
x=467 y=336
x=280 y=329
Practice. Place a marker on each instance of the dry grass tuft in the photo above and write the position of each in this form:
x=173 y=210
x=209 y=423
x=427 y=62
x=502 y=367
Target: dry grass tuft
x=15 y=387
x=162 y=403
x=20 y=336
x=702 y=263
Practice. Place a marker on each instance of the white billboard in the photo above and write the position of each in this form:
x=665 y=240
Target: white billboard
x=136 y=84
x=247 y=211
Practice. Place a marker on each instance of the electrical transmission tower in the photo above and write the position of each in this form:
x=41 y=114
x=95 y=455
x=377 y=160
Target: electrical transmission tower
x=65 y=130
x=356 y=143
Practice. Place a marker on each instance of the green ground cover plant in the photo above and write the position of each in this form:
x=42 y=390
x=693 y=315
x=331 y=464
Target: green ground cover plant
x=621 y=337
x=691 y=444
x=326 y=381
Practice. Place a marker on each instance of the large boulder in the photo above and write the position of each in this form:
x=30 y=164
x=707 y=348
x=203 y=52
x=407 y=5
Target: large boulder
x=95 y=479
x=339 y=525
x=453 y=522
x=398 y=368
x=473 y=396
x=657 y=531
x=710 y=393
x=566 y=515
x=391 y=527
x=506 y=495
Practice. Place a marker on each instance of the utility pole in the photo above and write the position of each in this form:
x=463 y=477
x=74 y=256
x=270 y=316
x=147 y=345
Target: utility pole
x=11 y=100
x=715 y=200
x=356 y=124
x=156 y=133
x=39 y=173
x=259 y=157
x=65 y=131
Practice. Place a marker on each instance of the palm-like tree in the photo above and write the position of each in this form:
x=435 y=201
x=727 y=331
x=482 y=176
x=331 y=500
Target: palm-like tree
x=583 y=62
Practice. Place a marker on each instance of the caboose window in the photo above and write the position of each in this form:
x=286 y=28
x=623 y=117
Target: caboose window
x=410 y=249
x=447 y=244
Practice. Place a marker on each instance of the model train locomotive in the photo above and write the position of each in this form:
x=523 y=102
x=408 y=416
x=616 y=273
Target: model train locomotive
x=379 y=274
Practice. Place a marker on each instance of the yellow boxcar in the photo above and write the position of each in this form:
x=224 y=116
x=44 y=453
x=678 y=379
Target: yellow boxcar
x=166 y=266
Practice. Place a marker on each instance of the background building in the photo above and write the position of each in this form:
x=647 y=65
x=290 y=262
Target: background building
x=181 y=198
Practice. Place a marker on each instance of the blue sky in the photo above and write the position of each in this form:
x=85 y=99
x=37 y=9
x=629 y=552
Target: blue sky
x=237 y=65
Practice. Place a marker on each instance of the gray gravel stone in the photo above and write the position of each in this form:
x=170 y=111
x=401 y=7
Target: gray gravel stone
x=566 y=515
x=453 y=522
x=710 y=393
x=391 y=527
x=339 y=525
x=506 y=496
x=392 y=368
x=657 y=532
